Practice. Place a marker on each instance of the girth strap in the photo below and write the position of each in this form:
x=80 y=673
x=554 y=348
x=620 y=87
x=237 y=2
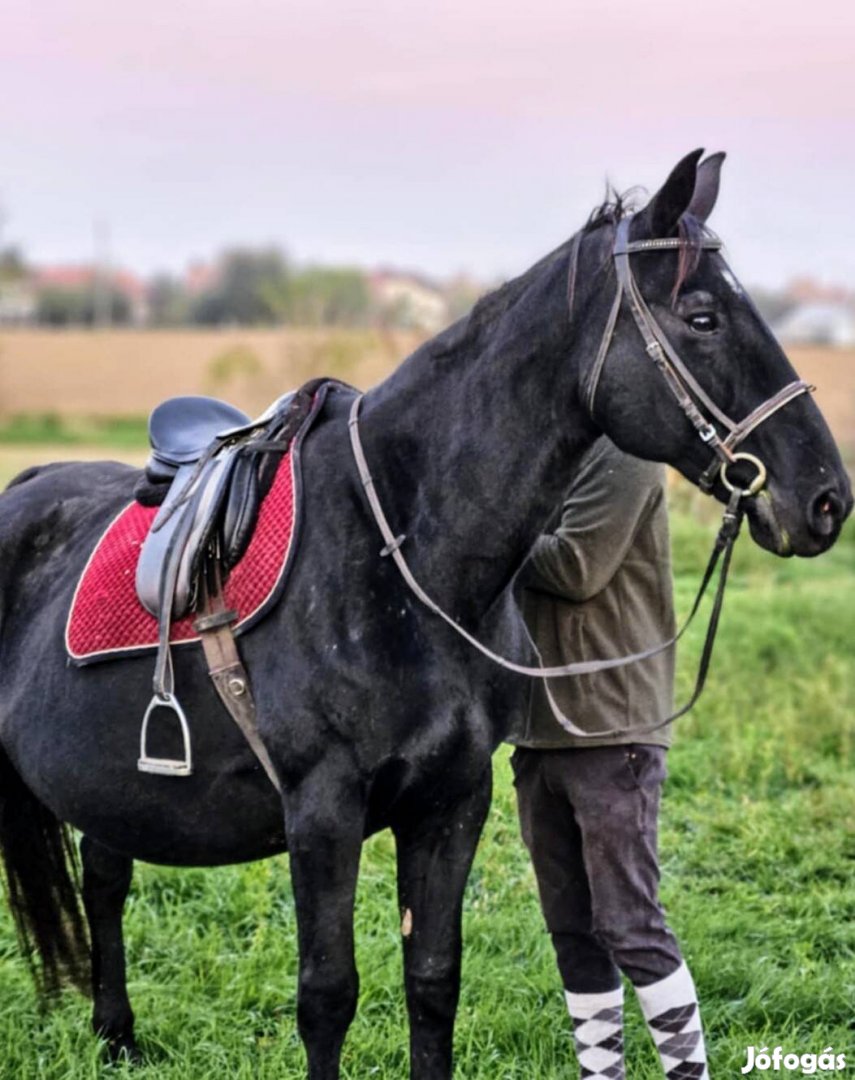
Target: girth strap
x=227 y=672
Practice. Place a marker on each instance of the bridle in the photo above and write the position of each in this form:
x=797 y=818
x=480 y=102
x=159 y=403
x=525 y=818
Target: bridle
x=690 y=395
x=692 y=399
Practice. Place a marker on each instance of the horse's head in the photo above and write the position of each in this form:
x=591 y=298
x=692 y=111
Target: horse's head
x=687 y=372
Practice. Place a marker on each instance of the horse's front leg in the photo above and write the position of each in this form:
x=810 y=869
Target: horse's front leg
x=435 y=854
x=106 y=881
x=324 y=821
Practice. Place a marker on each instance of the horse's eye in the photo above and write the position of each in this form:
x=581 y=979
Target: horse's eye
x=703 y=322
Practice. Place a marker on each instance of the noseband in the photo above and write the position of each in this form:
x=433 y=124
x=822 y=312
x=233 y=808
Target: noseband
x=690 y=395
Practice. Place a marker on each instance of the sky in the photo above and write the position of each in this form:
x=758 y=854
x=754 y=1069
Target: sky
x=443 y=136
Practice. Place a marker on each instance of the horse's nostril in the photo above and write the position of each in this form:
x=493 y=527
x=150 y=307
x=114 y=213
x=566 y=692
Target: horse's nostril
x=826 y=513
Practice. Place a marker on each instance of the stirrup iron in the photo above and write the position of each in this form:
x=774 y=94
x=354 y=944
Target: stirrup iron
x=165 y=766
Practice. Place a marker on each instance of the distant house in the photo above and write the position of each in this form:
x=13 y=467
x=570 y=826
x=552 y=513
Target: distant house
x=80 y=278
x=409 y=301
x=818 y=323
x=17 y=302
x=200 y=276
x=807 y=290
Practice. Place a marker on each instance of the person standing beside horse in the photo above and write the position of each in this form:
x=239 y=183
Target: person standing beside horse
x=601 y=585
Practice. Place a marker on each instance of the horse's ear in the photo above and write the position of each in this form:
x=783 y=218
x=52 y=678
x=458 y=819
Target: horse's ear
x=706 y=186
x=672 y=200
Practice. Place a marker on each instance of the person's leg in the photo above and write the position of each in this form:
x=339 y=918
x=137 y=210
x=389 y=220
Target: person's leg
x=671 y=1009
x=592 y=983
x=615 y=792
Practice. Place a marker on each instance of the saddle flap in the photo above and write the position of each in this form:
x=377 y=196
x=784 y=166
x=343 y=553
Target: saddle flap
x=179 y=534
x=241 y=510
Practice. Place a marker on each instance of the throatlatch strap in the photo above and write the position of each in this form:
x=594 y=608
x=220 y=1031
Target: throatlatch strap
x=602 y=352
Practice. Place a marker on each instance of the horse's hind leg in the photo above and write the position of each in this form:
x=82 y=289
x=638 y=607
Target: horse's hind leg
x=106 y=881
x=325 y=825
x=435 y=854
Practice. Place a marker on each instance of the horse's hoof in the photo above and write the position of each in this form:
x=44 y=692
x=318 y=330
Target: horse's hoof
x=124 y=1050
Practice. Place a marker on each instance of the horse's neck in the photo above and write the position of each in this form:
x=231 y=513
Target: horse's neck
x=471 y=443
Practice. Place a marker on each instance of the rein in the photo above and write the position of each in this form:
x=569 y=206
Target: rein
x=690 y=396
x=723 y=545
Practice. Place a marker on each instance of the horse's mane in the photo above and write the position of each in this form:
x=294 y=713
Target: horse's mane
x=614 y=207
x=494 y=304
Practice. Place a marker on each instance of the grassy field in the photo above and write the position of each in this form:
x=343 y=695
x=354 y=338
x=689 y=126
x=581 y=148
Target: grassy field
x=123 y=373
x=758 y=856
x=74 y=373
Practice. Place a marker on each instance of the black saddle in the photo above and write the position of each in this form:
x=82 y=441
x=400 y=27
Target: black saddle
x=209 y=469
x=181 y=429
x=205 y=463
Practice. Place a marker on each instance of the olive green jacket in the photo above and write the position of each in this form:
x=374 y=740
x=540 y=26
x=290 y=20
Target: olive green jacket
x=600 y=586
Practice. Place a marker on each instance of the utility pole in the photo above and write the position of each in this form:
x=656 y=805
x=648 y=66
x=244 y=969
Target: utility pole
x=102 y=293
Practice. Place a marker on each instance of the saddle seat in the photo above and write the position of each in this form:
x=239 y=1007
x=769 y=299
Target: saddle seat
x=206 y=457
x=180 y=429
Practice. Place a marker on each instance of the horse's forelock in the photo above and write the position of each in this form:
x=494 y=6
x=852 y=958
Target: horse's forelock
x=693 y=232
x=618 y=205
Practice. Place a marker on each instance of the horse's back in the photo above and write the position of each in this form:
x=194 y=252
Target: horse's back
x=76 y=477
x=62 y=495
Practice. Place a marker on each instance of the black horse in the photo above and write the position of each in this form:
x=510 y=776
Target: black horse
x=374 y=712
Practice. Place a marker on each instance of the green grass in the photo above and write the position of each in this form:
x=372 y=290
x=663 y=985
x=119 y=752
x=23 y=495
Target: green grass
x=758 y=856
x=112 y=432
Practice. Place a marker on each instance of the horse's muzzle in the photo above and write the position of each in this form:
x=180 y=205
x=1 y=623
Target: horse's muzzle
x=808 y=528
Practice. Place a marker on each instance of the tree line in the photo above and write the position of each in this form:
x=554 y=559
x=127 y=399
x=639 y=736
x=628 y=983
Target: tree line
x=260 y=288
x=247 y=287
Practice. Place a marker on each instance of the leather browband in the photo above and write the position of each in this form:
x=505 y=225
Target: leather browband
x=624 y=246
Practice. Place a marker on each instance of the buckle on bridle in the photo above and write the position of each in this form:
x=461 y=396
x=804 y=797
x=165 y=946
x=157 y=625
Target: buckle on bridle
x=708 y=434
x=656 y=353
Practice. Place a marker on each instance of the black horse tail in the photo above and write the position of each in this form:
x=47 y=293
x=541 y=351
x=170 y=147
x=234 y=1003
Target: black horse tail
x=43 y=886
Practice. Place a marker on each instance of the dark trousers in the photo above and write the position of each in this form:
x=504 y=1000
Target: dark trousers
x=589 y=820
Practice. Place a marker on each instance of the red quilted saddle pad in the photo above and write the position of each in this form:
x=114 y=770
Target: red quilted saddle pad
x=106 y=618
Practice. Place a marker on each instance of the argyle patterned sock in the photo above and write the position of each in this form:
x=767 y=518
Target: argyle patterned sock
x=598 y=1031
x=670 y=1007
